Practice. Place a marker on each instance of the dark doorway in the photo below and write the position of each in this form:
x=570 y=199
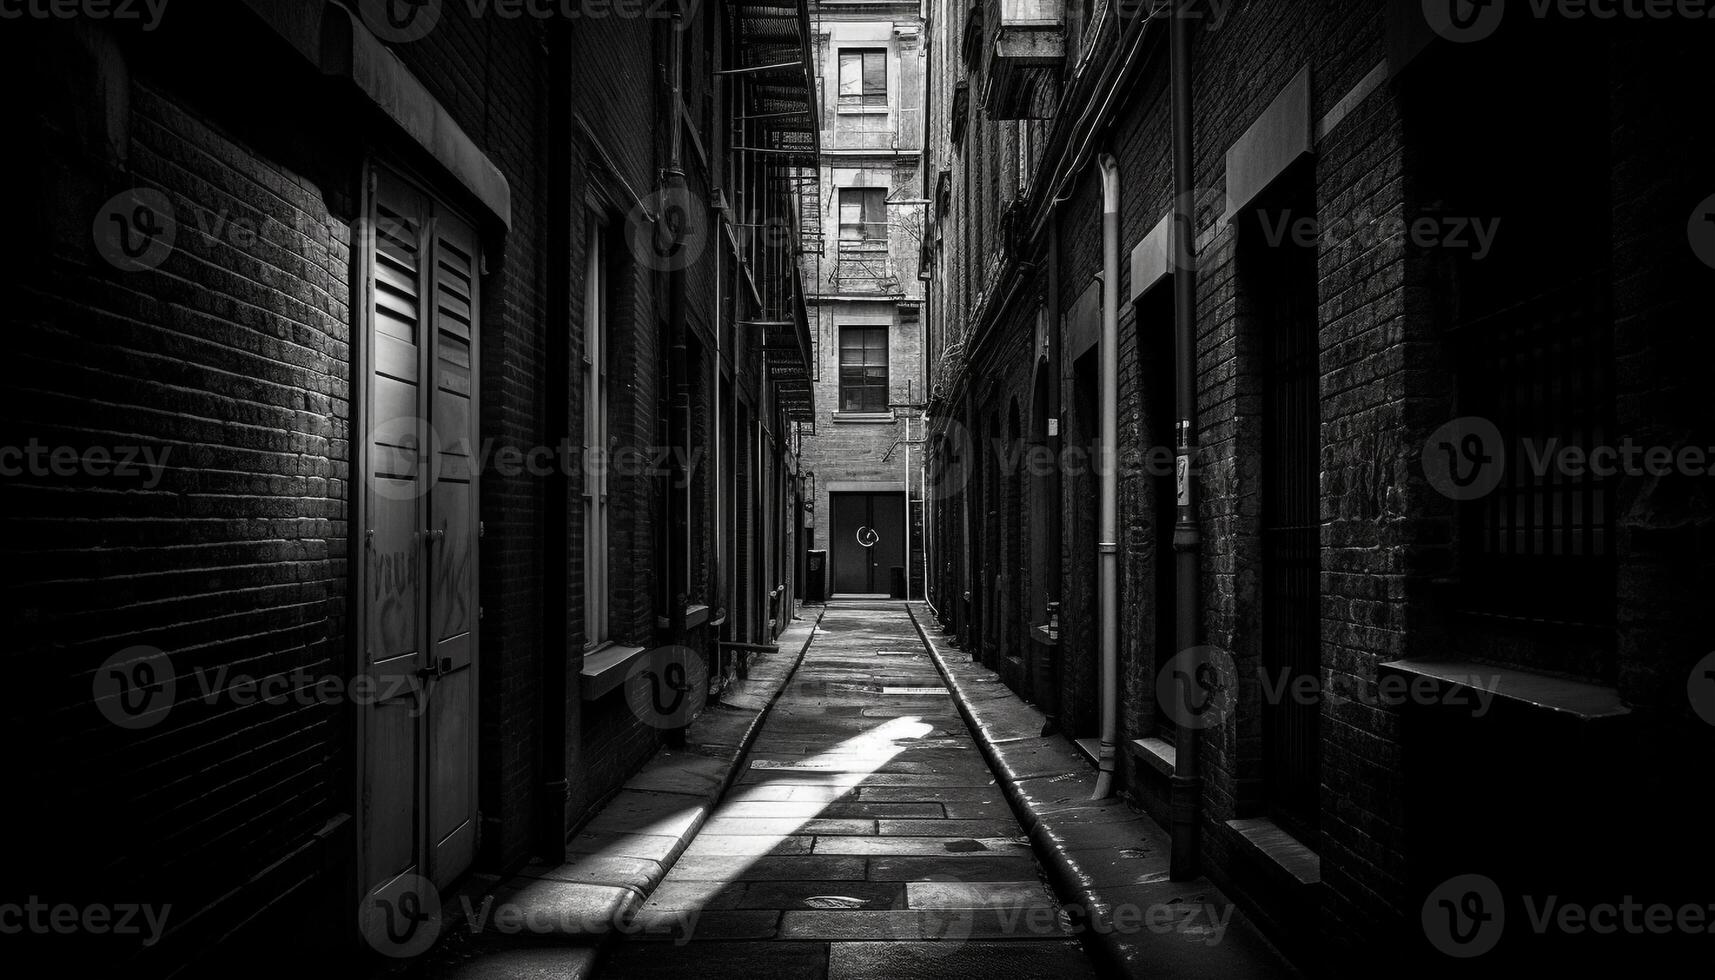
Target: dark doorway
x=1282 y=280
x=868 y=542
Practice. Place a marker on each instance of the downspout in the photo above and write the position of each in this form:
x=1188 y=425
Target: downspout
x=675 y=212
x=1108 y=541
x=1186 y=788
x=1056 y=560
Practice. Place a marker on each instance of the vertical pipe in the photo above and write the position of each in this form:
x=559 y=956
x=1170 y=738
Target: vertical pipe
x=1186 y=786
x=1056 y=560
x=907 y=445
x=1108 y=542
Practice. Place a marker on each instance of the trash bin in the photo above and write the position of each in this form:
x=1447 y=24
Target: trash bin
x=897 y=589
x=816 y=570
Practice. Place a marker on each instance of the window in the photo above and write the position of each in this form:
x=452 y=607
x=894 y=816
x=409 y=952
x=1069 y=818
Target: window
x=595 y=436
x=863 y=215
x=863 y=77
x=863 y=369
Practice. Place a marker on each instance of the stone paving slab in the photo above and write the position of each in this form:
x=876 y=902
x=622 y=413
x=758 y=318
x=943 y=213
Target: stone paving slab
x=838 y=830
x=907 y=925
x=662 y=961
x=1064 y=960
x=1108 y=864
x=567 y=910
x=798 y=868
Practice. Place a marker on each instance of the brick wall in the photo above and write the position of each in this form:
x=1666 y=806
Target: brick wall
x=1388 y=541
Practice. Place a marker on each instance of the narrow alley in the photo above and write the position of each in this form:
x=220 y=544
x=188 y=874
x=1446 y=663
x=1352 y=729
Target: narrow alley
x=860 y=489
x=865 y=837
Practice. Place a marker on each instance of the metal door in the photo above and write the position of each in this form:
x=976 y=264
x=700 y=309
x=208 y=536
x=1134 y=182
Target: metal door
x=868 y=541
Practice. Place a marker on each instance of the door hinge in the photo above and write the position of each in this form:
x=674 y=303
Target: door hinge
x=479 y=614
x=481 y=528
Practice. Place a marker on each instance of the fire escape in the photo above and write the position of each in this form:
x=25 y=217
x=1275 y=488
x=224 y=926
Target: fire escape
x=777 y=132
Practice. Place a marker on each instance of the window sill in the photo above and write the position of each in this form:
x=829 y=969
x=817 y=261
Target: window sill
x=1543 y=694
x=695 y=616
x=863 y=110
x=864 y=417
x=1156 y=753
x=605 y=668
x=1278 y=849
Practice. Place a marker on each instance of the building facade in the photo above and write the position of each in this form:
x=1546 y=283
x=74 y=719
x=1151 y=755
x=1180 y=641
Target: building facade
x=865 y=444
x=413 y=383
x=1275 y=319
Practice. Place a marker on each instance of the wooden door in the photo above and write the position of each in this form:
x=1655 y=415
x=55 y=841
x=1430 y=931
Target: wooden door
x=420 y=539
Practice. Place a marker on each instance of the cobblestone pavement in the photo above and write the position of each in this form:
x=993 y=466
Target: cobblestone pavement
x=866 y=837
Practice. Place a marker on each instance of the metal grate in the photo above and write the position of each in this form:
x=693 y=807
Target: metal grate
x=1291 y=529
x=1539 y=547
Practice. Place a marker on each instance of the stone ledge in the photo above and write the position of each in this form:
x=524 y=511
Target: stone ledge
x=605 y=669
x=1279 y=849
x=1156 y=753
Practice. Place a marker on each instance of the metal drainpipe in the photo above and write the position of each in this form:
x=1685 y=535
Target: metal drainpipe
x=676 y=207
x=1108 y=542
x=1051 y=703
x=1186 y=785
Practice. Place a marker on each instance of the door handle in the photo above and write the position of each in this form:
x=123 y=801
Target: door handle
x=443 y=667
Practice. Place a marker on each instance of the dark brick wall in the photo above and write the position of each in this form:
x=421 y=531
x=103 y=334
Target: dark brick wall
x=234 y=359
x=1388 y=541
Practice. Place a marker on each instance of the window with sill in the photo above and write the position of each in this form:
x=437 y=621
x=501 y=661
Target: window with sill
x=863 y=78
x=863 y=217
x=863 y=370
x=1529 y=334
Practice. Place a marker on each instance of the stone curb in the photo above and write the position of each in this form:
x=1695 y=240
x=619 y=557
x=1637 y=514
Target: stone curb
x=614 y=863
x=1103 y=858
